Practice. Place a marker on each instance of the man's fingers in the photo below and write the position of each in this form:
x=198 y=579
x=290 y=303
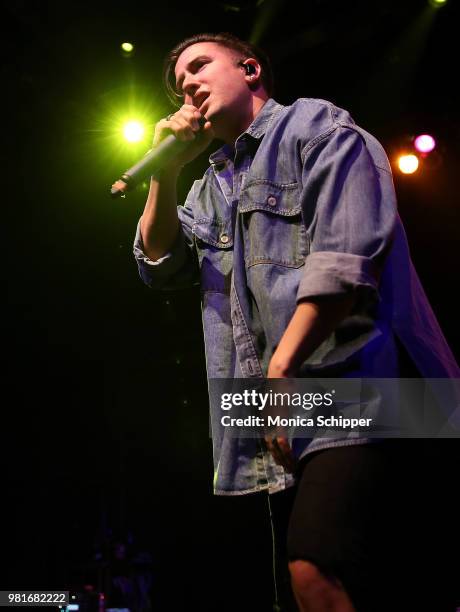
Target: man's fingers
x=187 y=117
x=274 y=450
x=286 y=452
x=181 y=127
x=281 y=452
x=184 y=124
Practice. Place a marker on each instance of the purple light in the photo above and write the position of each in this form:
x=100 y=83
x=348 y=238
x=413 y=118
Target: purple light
x=424 y=143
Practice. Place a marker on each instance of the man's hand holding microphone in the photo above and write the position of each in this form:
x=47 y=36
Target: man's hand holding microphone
x=177 y=140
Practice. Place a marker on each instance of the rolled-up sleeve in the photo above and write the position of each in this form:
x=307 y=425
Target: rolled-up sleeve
x=349 y=212
x=178 y=268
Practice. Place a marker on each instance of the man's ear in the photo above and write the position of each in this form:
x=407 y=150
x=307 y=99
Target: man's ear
x=251 y=67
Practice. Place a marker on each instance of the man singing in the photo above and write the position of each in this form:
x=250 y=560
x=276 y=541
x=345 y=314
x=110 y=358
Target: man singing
x=293 y=235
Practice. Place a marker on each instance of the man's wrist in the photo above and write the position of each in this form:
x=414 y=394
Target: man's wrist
x=281 y=367
x=166 y=174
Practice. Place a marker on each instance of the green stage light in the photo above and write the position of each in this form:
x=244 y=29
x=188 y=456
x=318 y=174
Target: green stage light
x=133 y=131
x=127 y=47
x=437 y=3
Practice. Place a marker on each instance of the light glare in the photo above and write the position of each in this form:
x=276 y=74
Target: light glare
x=408 y=164
x=127 y=47
x=133 y=131
x=424 y=143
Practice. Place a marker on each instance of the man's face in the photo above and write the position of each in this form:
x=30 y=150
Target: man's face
x=209 y=78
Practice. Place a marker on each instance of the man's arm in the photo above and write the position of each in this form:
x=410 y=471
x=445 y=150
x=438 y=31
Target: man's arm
x=159 y=223
x=350 y=230
x=311 y=324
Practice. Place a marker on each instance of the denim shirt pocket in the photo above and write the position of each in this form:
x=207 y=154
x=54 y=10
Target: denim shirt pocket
x=214 y=245
x=272 y=224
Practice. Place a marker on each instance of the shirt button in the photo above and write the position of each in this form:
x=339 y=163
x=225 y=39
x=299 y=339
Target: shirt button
x=271 y=201
x=224 y=238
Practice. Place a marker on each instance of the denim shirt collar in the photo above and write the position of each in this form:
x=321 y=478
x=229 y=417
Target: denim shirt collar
x=255 y=132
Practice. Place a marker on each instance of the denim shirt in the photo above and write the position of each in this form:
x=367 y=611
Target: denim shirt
x=302 y=206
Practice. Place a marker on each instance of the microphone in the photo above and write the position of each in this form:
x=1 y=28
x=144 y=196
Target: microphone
x=153 y=160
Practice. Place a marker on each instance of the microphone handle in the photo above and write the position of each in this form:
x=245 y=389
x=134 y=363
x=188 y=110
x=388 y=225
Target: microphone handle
x=153 y=160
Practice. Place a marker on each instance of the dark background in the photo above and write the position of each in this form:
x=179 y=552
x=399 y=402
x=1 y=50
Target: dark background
x=105 y=429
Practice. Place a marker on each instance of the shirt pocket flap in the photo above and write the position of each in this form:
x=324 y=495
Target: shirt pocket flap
x=215 y=233
x=278 y=198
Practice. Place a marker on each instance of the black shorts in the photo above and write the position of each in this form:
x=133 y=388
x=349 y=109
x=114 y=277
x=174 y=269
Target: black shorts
x=378 y=518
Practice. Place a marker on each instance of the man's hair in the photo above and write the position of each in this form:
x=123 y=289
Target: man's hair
x=225 y=39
